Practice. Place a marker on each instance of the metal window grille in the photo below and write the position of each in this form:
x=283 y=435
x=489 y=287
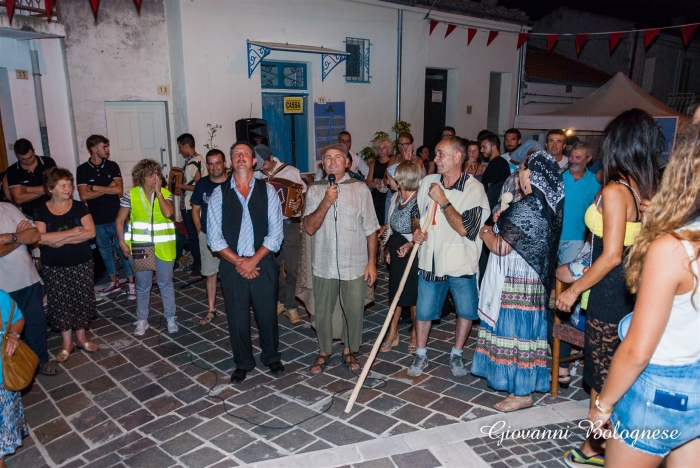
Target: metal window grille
x=282 y=75
x=357 y=64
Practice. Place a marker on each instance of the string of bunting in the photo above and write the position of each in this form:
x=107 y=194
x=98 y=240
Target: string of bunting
x=614 y=37
x=49 y=4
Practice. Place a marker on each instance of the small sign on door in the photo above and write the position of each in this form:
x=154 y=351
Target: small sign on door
x=293 y=105
x=437 y=96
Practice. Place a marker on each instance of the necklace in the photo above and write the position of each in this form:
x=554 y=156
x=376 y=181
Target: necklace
x=403 y=203
x=56 y=208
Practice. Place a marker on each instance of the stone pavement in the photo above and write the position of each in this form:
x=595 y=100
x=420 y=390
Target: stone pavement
x=157 y=401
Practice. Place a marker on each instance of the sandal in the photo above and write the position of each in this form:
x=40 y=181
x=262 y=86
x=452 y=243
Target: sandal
x=211 y=315
x=412 y=347
x=512 y=403
x=575 y=457
x=88 y=346
x=50 y=368
x=64 y=354
x=351 y=361
x=389 y=343
x=321 y=365
x=564 y=381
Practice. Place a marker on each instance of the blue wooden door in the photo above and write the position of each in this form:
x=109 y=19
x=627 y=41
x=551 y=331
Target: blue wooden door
x=280 y=127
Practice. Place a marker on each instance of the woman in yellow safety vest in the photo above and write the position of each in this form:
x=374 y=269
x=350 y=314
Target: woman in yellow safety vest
x=148 y=208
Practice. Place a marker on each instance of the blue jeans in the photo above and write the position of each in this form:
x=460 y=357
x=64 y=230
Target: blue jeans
x=432 y=294
x=144 y=282
x=104 y=233
x=641 y=409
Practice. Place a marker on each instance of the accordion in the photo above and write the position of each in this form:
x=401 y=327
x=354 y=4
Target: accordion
x=287 y=191
x=174 y=178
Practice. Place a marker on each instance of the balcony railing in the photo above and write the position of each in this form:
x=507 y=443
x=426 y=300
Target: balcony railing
x=33 y=8
x=680 y=101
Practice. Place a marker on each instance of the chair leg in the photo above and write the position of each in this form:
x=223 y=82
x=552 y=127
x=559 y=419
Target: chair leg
x=556 y=344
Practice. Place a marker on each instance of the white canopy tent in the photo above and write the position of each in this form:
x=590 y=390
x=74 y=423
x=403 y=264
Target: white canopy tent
x=591 y=114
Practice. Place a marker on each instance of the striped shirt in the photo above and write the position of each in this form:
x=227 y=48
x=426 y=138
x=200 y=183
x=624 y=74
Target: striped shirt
x=471 y=221
x=246 y=246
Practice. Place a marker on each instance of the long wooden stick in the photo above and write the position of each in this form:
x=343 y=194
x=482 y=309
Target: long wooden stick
x=390 y=314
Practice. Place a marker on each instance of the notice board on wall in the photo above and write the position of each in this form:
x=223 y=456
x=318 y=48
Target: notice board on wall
x=668 y=126
x=329 y=121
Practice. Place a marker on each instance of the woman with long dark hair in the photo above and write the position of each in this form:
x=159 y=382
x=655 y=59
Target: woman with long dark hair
x=630 y=173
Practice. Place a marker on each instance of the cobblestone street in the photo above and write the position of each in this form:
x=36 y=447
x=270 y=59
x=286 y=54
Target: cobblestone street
x=161 y=400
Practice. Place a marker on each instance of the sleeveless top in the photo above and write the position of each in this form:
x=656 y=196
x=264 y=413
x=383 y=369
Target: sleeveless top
x=680 y=343
x=632 y=228
x=400 y=220
x=380 y=169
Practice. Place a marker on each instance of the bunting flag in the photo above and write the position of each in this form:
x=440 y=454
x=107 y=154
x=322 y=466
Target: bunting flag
x=580 y=41
x=138 y=4
x=471 y=32
x=686 y=30
x=450 y=28
x=492 y=36
x=551 y=40
x=49 y=8
x=10 y=5
x=433 y=23
x=94 y=4
x=650 y=35
x=522 y=38
x=614 y=39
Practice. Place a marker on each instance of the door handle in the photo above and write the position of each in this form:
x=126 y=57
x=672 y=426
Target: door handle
x=162 y=150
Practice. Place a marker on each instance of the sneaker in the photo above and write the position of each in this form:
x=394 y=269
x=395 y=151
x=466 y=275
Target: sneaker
x=280 y=308
x=172 y=326
x=111 y=287
x=141 y=327
x=419 y=363
x=457 y=366
x=132 y=292
x=293 y=316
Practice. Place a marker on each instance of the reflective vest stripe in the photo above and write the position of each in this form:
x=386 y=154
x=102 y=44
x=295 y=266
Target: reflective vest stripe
x=156 y=239
x=156 y=226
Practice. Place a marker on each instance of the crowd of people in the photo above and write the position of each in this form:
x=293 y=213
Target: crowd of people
x=494 y=231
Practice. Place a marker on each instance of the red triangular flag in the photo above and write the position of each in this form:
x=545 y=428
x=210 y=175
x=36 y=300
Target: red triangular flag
x=686 y=30
x=614 y=39
x=471 y=32
x=492 y=36
x=94 y=4
x=551 y=40
x=580 y=41
x=138 y=3
x=10 y=5
x=433 y=23
x=650 y=35
x=522 y=38
x=49 y=8
x=450 y=28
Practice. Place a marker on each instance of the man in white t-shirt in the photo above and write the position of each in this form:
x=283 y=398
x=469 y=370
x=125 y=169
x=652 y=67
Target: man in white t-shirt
x=556 y=143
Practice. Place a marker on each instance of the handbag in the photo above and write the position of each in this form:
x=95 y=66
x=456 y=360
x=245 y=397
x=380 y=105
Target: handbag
x=17 y=370
x=144 y=256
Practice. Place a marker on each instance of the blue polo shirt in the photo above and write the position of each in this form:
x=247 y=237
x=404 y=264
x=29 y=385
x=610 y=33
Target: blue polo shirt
x=578 y=195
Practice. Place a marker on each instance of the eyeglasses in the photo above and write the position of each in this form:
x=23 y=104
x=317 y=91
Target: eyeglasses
x=403 y=144
x=447 y=135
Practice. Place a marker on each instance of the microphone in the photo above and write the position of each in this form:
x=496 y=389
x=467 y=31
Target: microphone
x=331 y=181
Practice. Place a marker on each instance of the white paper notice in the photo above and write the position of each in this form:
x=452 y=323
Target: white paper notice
x=437 y=96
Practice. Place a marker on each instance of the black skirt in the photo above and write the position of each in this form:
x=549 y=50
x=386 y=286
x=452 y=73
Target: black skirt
x=409 y=296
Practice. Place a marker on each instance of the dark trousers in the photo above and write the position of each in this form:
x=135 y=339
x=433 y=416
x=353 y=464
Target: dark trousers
x=261 y=293
x=192 y=237
x=291 y=254
x=30 y=301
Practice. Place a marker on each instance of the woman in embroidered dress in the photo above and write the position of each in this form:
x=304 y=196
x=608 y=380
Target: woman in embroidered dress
x=511 y=350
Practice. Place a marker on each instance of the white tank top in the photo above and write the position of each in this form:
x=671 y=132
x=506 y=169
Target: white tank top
x=680 y=343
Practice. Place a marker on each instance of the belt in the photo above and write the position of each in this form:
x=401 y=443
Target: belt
x=291 y=220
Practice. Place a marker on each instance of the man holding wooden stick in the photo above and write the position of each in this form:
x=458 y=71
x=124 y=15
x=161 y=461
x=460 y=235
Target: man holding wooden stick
x=448 y=258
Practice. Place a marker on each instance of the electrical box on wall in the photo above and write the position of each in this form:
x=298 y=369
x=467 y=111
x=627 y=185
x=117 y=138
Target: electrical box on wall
x=163 y=89
x=469 y=110
x=22 y=74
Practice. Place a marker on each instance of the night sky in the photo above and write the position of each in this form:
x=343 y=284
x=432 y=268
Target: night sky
x=646 y=13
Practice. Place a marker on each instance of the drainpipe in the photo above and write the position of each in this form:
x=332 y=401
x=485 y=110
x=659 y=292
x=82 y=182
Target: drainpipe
x=399 y=47
x=39 y=93
x=520 y=77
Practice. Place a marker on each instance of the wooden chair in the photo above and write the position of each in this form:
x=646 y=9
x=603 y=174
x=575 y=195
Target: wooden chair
x=562 y=332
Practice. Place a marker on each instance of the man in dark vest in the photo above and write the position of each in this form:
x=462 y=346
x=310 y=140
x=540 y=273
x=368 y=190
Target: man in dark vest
x=244 y=226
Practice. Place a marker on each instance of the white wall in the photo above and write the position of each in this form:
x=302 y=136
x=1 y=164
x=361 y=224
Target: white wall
x=123 y=56
x=218 y=90
x=538 y=98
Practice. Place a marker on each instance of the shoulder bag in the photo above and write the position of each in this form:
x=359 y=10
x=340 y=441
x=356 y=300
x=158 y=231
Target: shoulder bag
x=17 y=370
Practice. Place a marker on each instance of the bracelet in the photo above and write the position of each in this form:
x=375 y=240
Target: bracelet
x=14 y=333
x=447 y=205
x=601 y=410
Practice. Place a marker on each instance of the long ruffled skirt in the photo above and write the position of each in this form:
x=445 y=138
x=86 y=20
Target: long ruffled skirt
x=512 y=356
x=12 y=425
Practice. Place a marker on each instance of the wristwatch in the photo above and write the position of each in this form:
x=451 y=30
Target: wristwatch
x=14 y=239
x=443 y=208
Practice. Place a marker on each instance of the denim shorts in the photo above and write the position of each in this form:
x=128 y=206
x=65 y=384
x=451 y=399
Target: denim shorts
x=432 y=294
x=643 y=408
